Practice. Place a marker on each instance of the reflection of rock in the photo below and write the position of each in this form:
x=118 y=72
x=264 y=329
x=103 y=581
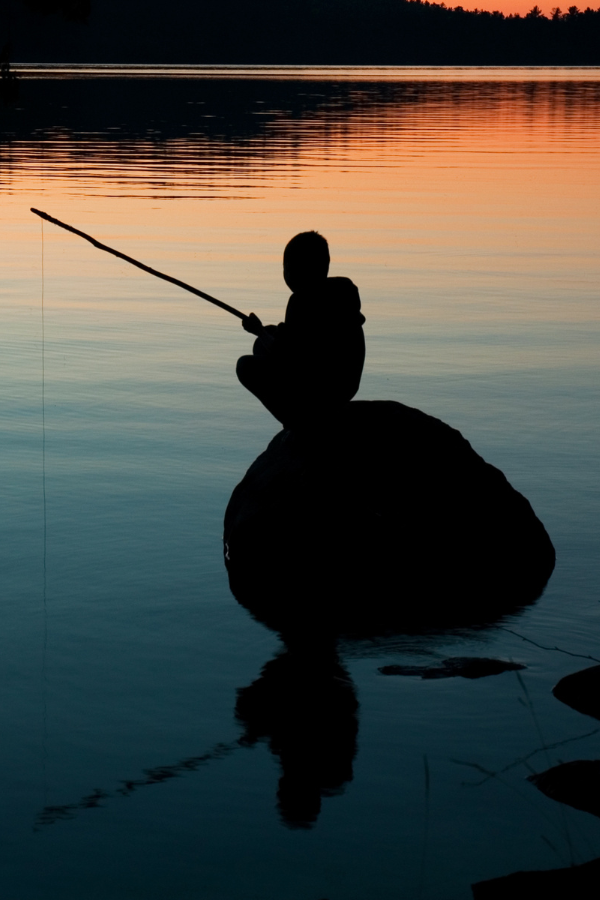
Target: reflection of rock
x=390 y=514
x=465 y=666
x=577 y=882
x=581 y=691
x=574 y=783
x=304 y=705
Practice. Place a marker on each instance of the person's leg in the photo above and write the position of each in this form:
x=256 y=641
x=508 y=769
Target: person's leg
x=259 y=378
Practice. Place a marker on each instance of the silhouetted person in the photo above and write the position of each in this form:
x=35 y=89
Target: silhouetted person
x=309 y=366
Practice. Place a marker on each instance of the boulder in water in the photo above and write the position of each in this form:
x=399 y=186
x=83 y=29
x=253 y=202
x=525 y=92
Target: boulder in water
x=382 y=514
x=581 y=691
x=575 y=783
x=573 y=881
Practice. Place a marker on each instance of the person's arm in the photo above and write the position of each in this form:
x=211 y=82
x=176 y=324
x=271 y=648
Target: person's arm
x=253 y=325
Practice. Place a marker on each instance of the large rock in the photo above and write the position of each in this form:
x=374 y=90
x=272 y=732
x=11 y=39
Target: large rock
x=384 y=514
x=577 y=882
x=576 y=783
x=581 y=691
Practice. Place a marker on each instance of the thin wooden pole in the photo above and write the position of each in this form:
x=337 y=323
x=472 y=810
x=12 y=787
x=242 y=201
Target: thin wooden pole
x=139 y=265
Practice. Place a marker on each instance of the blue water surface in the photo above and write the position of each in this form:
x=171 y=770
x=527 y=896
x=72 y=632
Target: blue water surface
x=123 y=433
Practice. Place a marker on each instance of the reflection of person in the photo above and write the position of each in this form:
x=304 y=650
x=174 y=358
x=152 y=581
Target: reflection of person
x=304 y=705
x=310 y=365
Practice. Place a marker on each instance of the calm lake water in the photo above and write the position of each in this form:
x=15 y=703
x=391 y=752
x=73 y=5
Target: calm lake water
x=465 y=204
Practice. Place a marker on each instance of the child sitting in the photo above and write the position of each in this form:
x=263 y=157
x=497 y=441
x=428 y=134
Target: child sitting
x=309 y=366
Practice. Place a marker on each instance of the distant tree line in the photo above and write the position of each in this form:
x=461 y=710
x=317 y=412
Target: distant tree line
x=436 y=33
x=335 y=32
x=401 y=32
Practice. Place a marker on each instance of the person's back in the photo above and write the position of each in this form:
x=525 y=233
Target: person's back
x=311 y=365
x=323 y=346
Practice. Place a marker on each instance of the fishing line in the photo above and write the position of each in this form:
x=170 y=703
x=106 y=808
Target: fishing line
x=44 y=545
x=423 y=868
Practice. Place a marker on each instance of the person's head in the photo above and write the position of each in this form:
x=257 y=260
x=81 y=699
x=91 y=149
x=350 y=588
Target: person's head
x=305 y=261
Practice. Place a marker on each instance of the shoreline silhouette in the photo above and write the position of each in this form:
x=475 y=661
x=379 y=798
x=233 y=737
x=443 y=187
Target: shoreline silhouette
x=411 y=32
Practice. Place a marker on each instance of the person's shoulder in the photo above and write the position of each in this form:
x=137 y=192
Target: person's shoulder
x=342 y=290
x=340 y=284
x=343 y=294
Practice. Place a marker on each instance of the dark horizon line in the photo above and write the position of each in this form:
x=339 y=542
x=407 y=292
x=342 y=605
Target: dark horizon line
x=99 y=68
x=282 y=65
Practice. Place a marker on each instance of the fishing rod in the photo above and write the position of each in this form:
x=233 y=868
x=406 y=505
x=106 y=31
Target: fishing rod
x=139 y=265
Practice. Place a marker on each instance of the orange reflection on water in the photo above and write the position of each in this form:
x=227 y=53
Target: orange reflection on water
x=447 y=202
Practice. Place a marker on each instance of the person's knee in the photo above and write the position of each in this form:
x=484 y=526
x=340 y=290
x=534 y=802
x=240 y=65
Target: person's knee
x=245 y=369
